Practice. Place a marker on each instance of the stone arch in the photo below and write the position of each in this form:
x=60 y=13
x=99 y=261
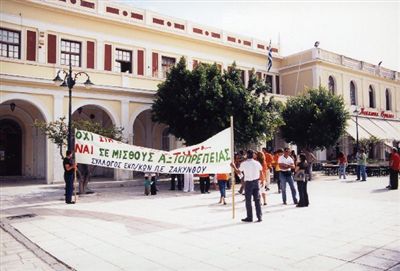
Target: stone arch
x=141 y=109
x=100 y=114
x=101 y=105
x=44 y=110
x=33 y=143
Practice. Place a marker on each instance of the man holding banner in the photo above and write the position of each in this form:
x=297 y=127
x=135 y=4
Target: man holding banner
x=252 y=171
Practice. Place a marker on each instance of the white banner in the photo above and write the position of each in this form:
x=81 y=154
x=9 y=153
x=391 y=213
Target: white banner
x=210 y=156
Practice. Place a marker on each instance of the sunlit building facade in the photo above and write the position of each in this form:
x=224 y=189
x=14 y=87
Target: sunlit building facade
x=127 y=52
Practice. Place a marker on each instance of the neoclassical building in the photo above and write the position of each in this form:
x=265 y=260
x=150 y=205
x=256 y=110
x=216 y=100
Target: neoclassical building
x=371 y=93
x=128 y=51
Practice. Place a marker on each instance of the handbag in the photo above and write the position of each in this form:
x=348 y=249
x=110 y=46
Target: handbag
x=300 y=176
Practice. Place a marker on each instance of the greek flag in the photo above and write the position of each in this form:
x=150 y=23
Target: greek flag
x=269 y=65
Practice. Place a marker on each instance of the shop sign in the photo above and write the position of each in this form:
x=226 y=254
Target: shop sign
x=382 y=114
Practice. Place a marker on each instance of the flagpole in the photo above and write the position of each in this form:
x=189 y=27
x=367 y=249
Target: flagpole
x=232 y=170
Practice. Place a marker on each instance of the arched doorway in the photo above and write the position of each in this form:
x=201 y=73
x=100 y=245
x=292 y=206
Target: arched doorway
x=147 y=133
x=10 y=148
x=95 y=113
x=23 y=148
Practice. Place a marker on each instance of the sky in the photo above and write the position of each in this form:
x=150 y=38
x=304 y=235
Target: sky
x=363 y=30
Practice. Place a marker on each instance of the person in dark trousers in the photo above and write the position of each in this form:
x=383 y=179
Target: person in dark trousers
x=394 y=167
x=69 y=174
x=286 y=165
x=153 y=187
x=300 y=178
x=252 y=171
x=179 y=177
x=173 y=182
x=204 y=183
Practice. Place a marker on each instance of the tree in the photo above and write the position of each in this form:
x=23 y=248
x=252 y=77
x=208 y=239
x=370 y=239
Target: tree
x=57 y=131
x=315 y=119
x=198 y=104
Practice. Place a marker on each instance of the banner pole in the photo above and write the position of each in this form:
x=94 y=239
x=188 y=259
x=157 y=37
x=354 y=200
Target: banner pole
x=232 y=170
x=74 y=159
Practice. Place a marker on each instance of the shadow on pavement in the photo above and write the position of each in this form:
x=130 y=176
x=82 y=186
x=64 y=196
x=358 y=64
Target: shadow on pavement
x=380 y=190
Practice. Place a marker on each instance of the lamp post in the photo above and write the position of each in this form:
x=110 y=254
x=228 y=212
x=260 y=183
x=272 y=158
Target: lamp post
x=356 y=112
x=69 y=81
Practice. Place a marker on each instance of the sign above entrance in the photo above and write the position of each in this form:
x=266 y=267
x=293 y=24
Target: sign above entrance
x=382 y=114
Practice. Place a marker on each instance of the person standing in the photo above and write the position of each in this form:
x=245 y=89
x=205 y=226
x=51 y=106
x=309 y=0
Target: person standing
x=310 y=157
x=300 y=178
x=180 y=181
x=69 y=174
x=252 y=171
x=204 y=183
x=394 y=168
x=342 y=162
x=362 y=164
x=222 y=179
x=286 y=165
x=277 y=169
x=238 y=160
x=261 y=159
x=269 y=159
x=188 y=184
x=173 y=181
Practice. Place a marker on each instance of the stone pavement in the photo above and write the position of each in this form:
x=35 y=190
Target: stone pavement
x=348 y=226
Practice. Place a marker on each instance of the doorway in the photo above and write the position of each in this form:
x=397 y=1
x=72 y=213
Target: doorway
x=10 y=148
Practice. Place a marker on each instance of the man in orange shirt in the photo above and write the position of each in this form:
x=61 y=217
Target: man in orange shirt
x=394 y=167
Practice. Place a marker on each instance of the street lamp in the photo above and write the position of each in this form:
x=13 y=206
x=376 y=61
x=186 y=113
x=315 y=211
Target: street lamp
x=69 y=81
x=356 y=112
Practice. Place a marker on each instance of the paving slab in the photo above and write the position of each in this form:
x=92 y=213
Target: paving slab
x=348 y=226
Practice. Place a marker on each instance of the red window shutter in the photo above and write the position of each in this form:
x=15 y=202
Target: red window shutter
x=140 y=57
x=90 y=55
x=31 y=45
x=155 y=64
x=107 y=57
x=51 y=48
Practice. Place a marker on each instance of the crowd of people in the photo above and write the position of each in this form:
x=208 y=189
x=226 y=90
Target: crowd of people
x=253 y=171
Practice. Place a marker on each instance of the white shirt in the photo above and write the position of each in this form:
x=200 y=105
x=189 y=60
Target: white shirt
x=288 y=161
x=251 y=169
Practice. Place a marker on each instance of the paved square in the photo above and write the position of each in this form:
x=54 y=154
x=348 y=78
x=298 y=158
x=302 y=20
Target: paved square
x=348 y=226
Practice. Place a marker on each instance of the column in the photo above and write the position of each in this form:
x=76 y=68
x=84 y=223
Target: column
x=120 y=174
x=274 y=84
x=55 y=169
x=246 y=78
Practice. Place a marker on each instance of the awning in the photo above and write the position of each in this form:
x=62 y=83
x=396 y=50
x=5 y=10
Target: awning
x=351 y=130
x=389 y=127
x=386 y=130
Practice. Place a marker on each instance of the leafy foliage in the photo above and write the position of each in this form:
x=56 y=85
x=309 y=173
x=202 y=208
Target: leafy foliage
x=57 y=131
x=314 y=120
x=198 y=104
x=365 y=143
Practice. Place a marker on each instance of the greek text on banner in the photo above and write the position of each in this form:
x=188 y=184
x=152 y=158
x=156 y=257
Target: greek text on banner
x=210 y=156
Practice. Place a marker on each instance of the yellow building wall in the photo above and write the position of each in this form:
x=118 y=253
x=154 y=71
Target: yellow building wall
x=303 y=79
x=343 y=77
